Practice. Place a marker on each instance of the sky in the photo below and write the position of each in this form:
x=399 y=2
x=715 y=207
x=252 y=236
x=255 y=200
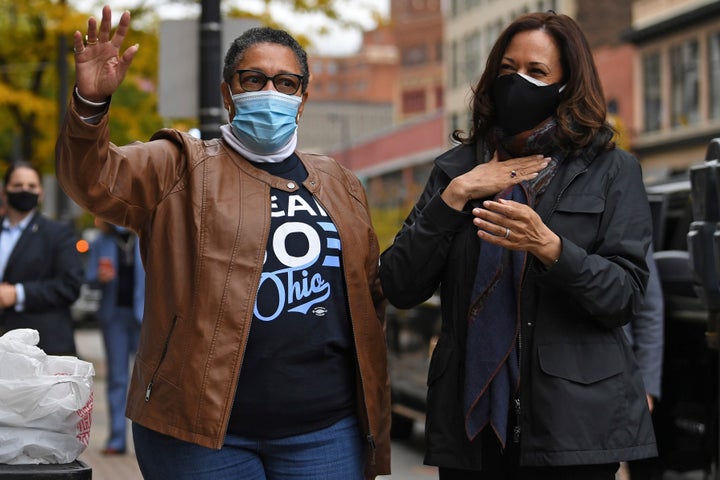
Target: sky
x=337 y=42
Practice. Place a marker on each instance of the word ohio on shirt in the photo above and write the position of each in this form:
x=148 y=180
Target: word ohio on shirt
x=304 y=249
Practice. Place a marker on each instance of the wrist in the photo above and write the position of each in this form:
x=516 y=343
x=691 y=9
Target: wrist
x=90 y=103
x=550 y=254
x=454 y=196
x=86 y=107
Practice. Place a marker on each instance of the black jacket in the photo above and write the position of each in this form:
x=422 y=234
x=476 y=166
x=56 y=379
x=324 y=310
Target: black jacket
x=48 y=265
x=582 y=397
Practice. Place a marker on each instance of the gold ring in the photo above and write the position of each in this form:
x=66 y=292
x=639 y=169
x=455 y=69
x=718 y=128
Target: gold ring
x=507 y=232
x=88 y=42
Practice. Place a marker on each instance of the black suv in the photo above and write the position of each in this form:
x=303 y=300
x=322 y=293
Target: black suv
x=686 y=416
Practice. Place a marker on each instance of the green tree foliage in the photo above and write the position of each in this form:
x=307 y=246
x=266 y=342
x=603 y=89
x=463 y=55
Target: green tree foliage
x=329 y=9
x=31 y=35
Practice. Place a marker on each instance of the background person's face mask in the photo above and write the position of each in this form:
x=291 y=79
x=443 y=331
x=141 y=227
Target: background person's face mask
x=265 y=121
x=522 y=102
x=23 y=200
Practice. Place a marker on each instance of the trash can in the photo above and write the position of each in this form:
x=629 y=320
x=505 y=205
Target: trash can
x=76 y=470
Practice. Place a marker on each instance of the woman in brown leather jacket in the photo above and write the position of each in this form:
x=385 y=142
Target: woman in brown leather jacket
x=262 y=350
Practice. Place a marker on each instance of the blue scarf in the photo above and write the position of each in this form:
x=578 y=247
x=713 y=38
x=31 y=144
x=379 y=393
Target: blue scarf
x=492 y=370
x=491 y=360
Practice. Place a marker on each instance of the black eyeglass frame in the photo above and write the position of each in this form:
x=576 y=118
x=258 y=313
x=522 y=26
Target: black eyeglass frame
x=262 y=75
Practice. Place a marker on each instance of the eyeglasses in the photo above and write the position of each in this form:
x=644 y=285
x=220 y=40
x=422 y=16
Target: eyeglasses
x=254 y=81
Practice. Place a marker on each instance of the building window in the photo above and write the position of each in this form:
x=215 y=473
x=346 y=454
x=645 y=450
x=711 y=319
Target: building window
x=492 y=32
x=417 y=55
x=454 y=67
x=714 y=73
x=684 y=79
x=473 y=56
x=413 y=101
x=652 y=94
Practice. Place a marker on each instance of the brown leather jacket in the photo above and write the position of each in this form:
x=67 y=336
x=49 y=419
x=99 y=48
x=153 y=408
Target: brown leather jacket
x=203 y=215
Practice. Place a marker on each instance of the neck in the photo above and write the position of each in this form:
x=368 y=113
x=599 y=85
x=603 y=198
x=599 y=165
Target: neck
x=16 y=217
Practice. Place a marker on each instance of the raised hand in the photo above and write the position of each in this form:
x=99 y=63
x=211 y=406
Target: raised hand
x=99 y=67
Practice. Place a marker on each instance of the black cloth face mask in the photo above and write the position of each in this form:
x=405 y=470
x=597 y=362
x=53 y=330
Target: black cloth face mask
x=521 y=105
x=22 y=201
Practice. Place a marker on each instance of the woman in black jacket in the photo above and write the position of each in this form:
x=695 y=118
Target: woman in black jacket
x=535 y=230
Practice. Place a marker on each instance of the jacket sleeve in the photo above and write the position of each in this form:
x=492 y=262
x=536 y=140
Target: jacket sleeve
x=411 y=268
x=119 y=184
x=608 y=275
x=62 y=288
x=647 y=332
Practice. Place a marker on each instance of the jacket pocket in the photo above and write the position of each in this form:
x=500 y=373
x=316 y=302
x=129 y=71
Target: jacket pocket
x=581 y=363
x=577 y=217
x=579 y=398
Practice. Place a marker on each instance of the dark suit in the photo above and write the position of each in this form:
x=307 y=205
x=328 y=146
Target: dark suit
x=48 y=265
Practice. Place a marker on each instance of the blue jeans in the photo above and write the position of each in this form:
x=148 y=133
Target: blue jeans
x=335 y=452
x=120 y=335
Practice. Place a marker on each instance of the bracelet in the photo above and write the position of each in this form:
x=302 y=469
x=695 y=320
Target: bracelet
x=88 y=102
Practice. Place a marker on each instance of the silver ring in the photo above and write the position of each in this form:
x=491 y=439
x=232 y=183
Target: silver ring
x=513 y=174
x=507 y=232
x=78 y=51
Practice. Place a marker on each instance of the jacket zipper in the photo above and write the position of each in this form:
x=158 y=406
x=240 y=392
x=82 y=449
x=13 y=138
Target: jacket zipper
x=148 y=390
x=517 y=429
x=369 y=437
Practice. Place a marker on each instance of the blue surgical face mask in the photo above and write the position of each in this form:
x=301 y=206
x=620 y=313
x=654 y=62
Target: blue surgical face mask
x=265 y=121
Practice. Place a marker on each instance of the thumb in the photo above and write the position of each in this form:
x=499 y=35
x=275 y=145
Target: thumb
x=127 y=57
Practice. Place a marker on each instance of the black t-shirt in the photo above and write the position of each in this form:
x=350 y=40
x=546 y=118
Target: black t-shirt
x=298 y=370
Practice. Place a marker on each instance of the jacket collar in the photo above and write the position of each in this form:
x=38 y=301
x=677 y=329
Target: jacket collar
x=458 y=160
x=463 y=158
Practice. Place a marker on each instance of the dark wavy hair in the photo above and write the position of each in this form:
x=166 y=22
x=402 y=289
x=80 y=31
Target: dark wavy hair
x=21 y=164
x=256 y=35
x=582 y=112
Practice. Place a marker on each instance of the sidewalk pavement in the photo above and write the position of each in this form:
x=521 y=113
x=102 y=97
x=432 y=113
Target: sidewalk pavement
x=104 y=467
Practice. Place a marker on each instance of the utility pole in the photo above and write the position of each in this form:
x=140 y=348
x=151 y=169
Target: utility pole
x=61 y=200
x=210 y=66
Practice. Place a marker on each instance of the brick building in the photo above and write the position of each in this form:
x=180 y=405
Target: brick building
x=418 y=29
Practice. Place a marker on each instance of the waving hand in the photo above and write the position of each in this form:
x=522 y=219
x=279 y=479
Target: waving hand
x=99 y=67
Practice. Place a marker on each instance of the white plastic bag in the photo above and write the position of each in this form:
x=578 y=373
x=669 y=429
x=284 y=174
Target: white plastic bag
x=45 y=402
